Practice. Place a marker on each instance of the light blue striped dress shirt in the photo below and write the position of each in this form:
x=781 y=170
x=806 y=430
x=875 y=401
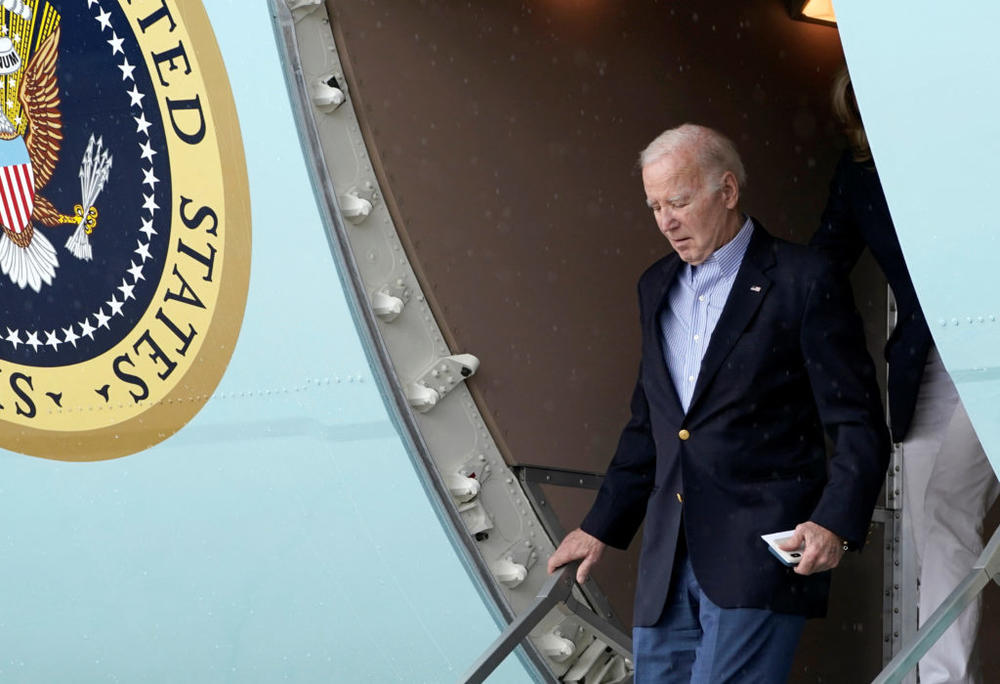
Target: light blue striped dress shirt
x=694 y=305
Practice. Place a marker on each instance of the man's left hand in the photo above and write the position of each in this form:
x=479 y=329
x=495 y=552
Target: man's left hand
x=823 y=549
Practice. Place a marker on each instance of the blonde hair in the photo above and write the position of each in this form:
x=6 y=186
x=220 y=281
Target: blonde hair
x=714 y=152
x=845 y=108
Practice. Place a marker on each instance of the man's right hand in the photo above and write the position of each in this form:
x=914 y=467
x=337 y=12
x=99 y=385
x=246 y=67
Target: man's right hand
x=577 y=545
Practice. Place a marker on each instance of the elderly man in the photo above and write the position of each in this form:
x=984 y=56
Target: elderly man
x=751 y=346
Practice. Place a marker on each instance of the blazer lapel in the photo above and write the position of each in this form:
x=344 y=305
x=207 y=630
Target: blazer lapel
x=656 y=305
x=749 y=290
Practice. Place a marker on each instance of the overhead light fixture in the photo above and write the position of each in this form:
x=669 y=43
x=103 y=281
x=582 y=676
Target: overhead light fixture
x=815 y=11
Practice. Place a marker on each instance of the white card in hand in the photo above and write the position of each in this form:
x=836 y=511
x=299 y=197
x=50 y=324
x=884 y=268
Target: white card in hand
x=786 y=557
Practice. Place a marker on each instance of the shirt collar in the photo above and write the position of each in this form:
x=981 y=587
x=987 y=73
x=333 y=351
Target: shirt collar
x=727 y=259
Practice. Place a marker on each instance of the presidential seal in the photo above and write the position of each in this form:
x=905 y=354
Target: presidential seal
x=124 y=206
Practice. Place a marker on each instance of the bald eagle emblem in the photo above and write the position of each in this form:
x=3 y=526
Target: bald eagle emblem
x=27 y=163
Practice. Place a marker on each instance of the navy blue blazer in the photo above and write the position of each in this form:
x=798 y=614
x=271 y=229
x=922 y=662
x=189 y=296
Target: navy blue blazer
x=786 y=360
x=856 y=215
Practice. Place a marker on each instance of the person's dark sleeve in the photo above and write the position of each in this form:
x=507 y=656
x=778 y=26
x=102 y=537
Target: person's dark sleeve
x=620 y=505
x=842 y=377
x=839 y=237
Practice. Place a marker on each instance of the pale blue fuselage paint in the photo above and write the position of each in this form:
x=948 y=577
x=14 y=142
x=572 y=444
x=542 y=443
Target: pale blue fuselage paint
x=925 y=77
x=283 y=534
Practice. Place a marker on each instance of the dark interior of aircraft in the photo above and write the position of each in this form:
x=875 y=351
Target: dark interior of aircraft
x=506 y=137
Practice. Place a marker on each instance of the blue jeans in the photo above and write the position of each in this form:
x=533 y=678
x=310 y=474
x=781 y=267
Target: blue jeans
x=697 y=641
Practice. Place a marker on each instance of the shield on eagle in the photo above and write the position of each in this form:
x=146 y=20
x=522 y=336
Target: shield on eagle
x=17 y=184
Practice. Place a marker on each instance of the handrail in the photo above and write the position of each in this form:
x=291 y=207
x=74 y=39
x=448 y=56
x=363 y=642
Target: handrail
x=532 y=478
x=985 y=569
x=558 y=588
x=559 y=477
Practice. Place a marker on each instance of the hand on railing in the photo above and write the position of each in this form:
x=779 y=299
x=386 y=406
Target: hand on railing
x=577 y=545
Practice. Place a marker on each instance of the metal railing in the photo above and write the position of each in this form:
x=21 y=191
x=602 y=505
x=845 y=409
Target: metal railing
x=557 y=589
x=985 y=569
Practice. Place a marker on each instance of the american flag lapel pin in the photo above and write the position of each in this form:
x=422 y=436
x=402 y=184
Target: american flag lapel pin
x=755 y=288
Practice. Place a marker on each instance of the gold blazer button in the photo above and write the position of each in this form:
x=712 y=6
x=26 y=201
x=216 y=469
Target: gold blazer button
x=684 y=434
x=680 y=499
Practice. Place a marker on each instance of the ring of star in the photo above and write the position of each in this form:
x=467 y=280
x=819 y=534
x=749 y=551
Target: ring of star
x=149 y=205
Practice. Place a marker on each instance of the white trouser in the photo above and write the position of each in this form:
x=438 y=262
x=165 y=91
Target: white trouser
x=948 y=486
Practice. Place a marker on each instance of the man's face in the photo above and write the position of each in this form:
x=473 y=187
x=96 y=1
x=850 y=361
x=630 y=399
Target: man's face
x=696 y=216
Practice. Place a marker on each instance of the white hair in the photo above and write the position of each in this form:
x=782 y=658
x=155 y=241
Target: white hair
x=715 y=153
